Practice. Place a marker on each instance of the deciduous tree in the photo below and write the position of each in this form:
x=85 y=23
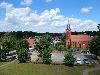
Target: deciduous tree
x=43 y=48
x=94 y=46
x=22 y=50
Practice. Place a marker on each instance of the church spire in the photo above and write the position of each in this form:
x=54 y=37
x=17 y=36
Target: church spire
x=68 y=26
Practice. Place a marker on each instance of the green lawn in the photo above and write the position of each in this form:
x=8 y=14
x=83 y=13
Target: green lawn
x=40 y=69
x=96 y=72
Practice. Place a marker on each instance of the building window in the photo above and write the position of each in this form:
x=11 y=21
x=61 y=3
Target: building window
x=73 y=44
x=79 y=44
x=68 y=43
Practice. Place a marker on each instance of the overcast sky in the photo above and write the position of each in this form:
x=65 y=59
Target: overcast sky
x=49 y=15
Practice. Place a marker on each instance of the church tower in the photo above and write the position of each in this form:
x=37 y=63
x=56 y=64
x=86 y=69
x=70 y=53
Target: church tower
x=68 y=36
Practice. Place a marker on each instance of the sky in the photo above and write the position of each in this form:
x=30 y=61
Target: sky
x=49 y=15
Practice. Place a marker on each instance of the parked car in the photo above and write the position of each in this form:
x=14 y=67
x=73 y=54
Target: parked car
x=78 y=61
x=9 y=58
x=87 y=61
x=11 y=55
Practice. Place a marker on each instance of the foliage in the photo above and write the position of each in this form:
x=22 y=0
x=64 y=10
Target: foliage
x=74 y=49
x=7 y=43
x=46 y=56
x=61 y=46
x=22 y=50
x=94 y=46
x=2 y=55
x=43 y=44
x=69 y=59
x=22 y=43
x=22 y=55
x=43 y=47
x=98 y=27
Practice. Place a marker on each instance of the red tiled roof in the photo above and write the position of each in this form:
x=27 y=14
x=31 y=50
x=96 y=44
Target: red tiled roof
x=80 y=38
x=31 y=42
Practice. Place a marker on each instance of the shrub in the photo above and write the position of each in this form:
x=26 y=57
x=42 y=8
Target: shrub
x=46 y=57
x=69 y=59
x=22 y=55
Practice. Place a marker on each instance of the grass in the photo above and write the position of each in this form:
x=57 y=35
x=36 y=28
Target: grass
x=2 y=63
x=40 y=69
x=97 y=72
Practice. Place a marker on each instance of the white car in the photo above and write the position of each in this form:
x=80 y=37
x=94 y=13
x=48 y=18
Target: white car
x=78 y=61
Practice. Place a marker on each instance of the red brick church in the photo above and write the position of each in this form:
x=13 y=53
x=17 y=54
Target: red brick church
x=76 y=41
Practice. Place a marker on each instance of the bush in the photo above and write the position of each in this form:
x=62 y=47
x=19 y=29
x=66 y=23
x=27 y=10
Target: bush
x=46 y=57
x=61 y=48
x=22 y=55
x=69 y=59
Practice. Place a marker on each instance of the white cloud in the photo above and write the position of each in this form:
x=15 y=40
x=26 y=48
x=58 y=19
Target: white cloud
x=47 y=1
x=26 y=2
x=7 y=6
x=86 y=9
x=83 y=25
x=26 y=19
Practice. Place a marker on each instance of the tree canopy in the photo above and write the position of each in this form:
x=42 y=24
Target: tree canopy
x=7 y=43
x=43 y=47
x=98 y=27
x=94 y=46
x=22 y=50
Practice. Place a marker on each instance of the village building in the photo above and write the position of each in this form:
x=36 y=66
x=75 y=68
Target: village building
x=31 y=42
x=56 y=40
x=76 y=41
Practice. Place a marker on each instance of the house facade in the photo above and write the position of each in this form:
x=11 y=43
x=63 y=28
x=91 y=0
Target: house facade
x=76 y=41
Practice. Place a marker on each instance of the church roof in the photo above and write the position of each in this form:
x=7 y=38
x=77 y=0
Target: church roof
x=80 y=38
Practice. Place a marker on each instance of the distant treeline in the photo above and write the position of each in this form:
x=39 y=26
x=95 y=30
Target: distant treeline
x=26 y=34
